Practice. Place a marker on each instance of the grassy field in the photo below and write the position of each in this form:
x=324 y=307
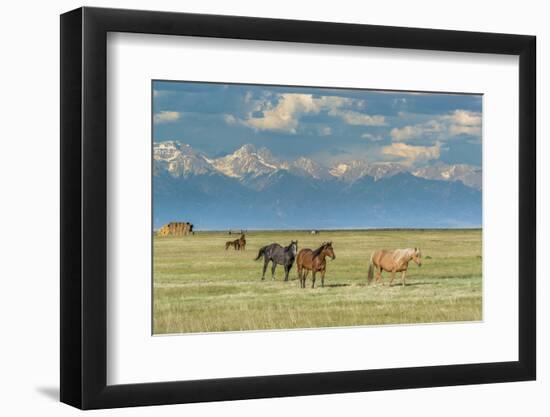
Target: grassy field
x=200 y=287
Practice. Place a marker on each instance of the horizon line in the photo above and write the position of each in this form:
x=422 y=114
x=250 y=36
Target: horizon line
x=245 y=230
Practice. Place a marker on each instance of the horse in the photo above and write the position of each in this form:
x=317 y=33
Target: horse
x=236 y=244
x=392 y=261
x=278 y=256
x=242 y=242
x=314 y=261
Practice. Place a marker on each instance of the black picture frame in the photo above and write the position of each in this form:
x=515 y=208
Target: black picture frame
x=84 y=207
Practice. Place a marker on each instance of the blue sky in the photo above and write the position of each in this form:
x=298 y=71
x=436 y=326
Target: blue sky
x=324 y=124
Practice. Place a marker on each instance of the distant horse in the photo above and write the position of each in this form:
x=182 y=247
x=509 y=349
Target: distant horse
x=236 y=244
x=393 y=261
x=242 y=242
x=278 y=256
x=314 y=261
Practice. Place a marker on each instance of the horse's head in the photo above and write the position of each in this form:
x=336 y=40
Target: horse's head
x=416 y=256
x=328 y=251
x=294 y=247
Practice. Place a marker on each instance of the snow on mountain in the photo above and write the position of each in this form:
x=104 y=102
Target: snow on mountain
x=246 y=161
x=179 y=160
x=469 y=175
x=354 y=170
x=305 y=167
x=256 y=167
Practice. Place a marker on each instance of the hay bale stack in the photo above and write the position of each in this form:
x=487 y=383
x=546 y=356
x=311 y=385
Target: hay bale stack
x=176 y=229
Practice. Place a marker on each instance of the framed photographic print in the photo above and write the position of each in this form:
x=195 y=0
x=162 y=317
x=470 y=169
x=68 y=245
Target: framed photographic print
x=258 y=207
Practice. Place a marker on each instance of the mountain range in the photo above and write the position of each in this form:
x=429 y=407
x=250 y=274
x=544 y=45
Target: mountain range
x=252 y=189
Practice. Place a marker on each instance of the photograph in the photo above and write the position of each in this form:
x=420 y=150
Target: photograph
x=253 y=207
x=299 y=207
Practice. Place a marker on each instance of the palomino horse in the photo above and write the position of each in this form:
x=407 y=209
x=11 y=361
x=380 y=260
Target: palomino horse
x=393 y=261
x=278 y=255
x=238 y=244
x=314 y=261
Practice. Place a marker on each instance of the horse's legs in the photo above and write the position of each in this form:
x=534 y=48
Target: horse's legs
x=273 y=266
x=313 y=278
x=323 y=278
x=266 y=261
x=378 y=276
x=403 y=277
x=392 y=276
x=287 y=270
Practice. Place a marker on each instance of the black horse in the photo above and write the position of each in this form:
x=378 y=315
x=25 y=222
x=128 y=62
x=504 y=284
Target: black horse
x=278 y=255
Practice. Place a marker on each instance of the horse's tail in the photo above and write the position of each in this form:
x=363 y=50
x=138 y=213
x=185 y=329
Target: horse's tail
x=370 y=274
x=260 y=253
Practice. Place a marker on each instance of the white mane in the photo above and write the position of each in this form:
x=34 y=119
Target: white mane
x=404 y=255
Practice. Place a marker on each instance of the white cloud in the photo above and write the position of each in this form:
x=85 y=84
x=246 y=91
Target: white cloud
x=442 y=127
x=356 y=118
x=166 y=116
x=248 y=97
x=412 y=154
x=284 y=114
x=325 y=131
x=465 y=118
x=399 y=102
x=161 y=93
x=456 y=130
x=416 y=131
x=371 y=137
x=464 y=122
x=230 y=119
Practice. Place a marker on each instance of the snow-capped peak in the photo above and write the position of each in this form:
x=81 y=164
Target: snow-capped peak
x=353 y=170
x=339 y=169
x=245 y=161
x=306 y=167
x=469 y=175
x=179 y=159
x=248 y=163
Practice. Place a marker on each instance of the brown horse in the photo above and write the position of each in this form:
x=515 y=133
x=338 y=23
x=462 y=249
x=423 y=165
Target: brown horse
x=237 y=244
x=242 y=242
x=232 y=243
x=393 y=261
x=314 y=261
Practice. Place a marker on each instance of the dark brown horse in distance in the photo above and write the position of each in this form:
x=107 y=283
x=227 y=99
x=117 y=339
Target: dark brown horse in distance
x=314 y=261
x=242 y=242
x=237 y=244
x=393 y=261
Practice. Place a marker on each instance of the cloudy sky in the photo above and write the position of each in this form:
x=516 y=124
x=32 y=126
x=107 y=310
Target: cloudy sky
x=325 y=124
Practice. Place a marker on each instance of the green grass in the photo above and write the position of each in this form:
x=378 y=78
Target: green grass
x=200 y=287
